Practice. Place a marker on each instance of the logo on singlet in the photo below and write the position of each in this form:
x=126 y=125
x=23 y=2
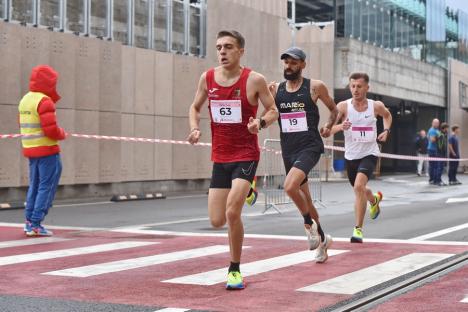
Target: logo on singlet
x=212 y=90
x=237 y=93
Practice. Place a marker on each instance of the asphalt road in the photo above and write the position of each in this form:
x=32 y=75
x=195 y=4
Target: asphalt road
x=411 y=209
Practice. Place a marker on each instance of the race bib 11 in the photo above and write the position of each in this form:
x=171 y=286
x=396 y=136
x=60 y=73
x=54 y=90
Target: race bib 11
x=363 y=134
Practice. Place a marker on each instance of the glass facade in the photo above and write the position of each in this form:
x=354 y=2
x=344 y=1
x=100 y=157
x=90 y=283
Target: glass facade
x=463 y=95
x=425 y=30
x=22 y=11
x=462 y=36
x=164 y=25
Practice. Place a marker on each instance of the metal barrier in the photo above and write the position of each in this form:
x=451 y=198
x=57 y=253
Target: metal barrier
x=275 y=174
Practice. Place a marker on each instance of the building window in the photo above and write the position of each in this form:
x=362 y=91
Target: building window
x=463 y=95
x=50 y=14
x=22 y=11
x=120 y=22
x=98 y=18
x=163 y=25
x=75 y=16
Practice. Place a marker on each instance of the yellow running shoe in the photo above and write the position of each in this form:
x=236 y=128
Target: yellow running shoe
x=234 y=281
x=357 y=235
x=253 y=194
x=374 y=210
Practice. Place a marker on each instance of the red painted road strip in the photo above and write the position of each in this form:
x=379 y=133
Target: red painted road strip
x=446 y=294
x=273 y=290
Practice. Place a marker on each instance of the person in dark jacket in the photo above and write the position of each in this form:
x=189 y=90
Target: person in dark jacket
x=421 y=150
x=454 y=153
x=38 y=124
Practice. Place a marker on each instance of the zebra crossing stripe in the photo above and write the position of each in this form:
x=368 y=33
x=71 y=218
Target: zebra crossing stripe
x=70 y=252
x=465 y=300
x=31 y=241
x=351 y=283
x=251 y=268
x=172 y=310
x=134 y=263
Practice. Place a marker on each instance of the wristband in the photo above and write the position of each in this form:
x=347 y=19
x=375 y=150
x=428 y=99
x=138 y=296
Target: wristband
x=262 y=123
x=388 y=130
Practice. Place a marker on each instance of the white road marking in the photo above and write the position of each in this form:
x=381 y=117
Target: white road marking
x=440 y=233
x=351 y=283
x=84 y=204
x=465 y=300
x=134 y=263
x=456 y=200
x=137 y=229
x=57 y=227
x=289 y=237
x=70 y=252
x=172 y=310
x=31 y=241
x=217 y=276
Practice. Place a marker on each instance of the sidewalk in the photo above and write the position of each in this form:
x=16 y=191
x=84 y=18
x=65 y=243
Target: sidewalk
x=398 y=189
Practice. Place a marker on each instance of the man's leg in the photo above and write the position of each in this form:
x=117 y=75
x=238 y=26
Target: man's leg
x=432 y=167
x=58 y=174
x=33 y=186
x=292 y=186
x=235 y=202
x=420 y=164
x=363 y=194
x=47 y=175
x=451 y=172
x=217 y=198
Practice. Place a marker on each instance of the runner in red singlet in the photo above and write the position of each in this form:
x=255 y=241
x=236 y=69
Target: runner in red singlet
x=233 y=93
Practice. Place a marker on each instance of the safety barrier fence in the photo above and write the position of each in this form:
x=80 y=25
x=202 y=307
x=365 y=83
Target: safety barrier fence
x=275 y=175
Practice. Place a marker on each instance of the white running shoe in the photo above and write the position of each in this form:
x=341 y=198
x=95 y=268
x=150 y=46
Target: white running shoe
x=313 y=236
x=321 y=254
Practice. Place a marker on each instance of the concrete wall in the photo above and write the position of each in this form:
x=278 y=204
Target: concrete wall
x=458 y=72
x=111 y=89
x=391 y=74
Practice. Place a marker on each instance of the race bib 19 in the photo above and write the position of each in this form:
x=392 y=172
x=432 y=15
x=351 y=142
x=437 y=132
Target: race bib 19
x=226 y=111
x=294 y=122
x=363 y=134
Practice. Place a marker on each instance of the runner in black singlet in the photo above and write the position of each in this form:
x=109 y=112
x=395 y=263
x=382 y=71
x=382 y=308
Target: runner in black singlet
x=301 y=142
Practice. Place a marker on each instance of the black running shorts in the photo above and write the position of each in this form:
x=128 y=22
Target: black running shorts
x=304 y=160
x=224 y=173
x=364 y=165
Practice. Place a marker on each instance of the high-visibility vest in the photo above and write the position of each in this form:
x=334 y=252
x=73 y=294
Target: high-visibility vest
x=30 y=123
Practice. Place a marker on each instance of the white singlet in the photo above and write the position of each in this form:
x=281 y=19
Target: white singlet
x=361 y=137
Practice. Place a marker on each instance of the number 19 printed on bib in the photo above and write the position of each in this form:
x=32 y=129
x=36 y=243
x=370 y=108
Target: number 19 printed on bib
x=293 y=122
x=226 y=111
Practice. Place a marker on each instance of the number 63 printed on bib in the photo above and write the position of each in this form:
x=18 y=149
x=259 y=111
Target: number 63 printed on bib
x=226 y=111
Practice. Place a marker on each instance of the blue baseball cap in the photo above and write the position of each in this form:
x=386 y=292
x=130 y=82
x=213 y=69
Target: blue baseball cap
x=295 y=53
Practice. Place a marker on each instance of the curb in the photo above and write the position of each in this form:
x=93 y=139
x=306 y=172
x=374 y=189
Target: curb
x=11 y=206
x=119 y=198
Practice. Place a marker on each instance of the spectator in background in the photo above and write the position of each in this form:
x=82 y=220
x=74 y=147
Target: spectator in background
x=432 y=150
x=454 y=153
x=421 y=149
x=38 y=123
x=442 y=142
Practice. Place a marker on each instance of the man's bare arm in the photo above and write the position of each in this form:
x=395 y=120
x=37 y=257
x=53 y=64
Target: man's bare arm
x=381 y=110
x=345 y=124
x=322 y=93
x=270 y=113
x=195 y=108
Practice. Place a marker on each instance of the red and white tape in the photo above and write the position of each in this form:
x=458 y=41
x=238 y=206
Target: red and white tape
x=147 y=140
